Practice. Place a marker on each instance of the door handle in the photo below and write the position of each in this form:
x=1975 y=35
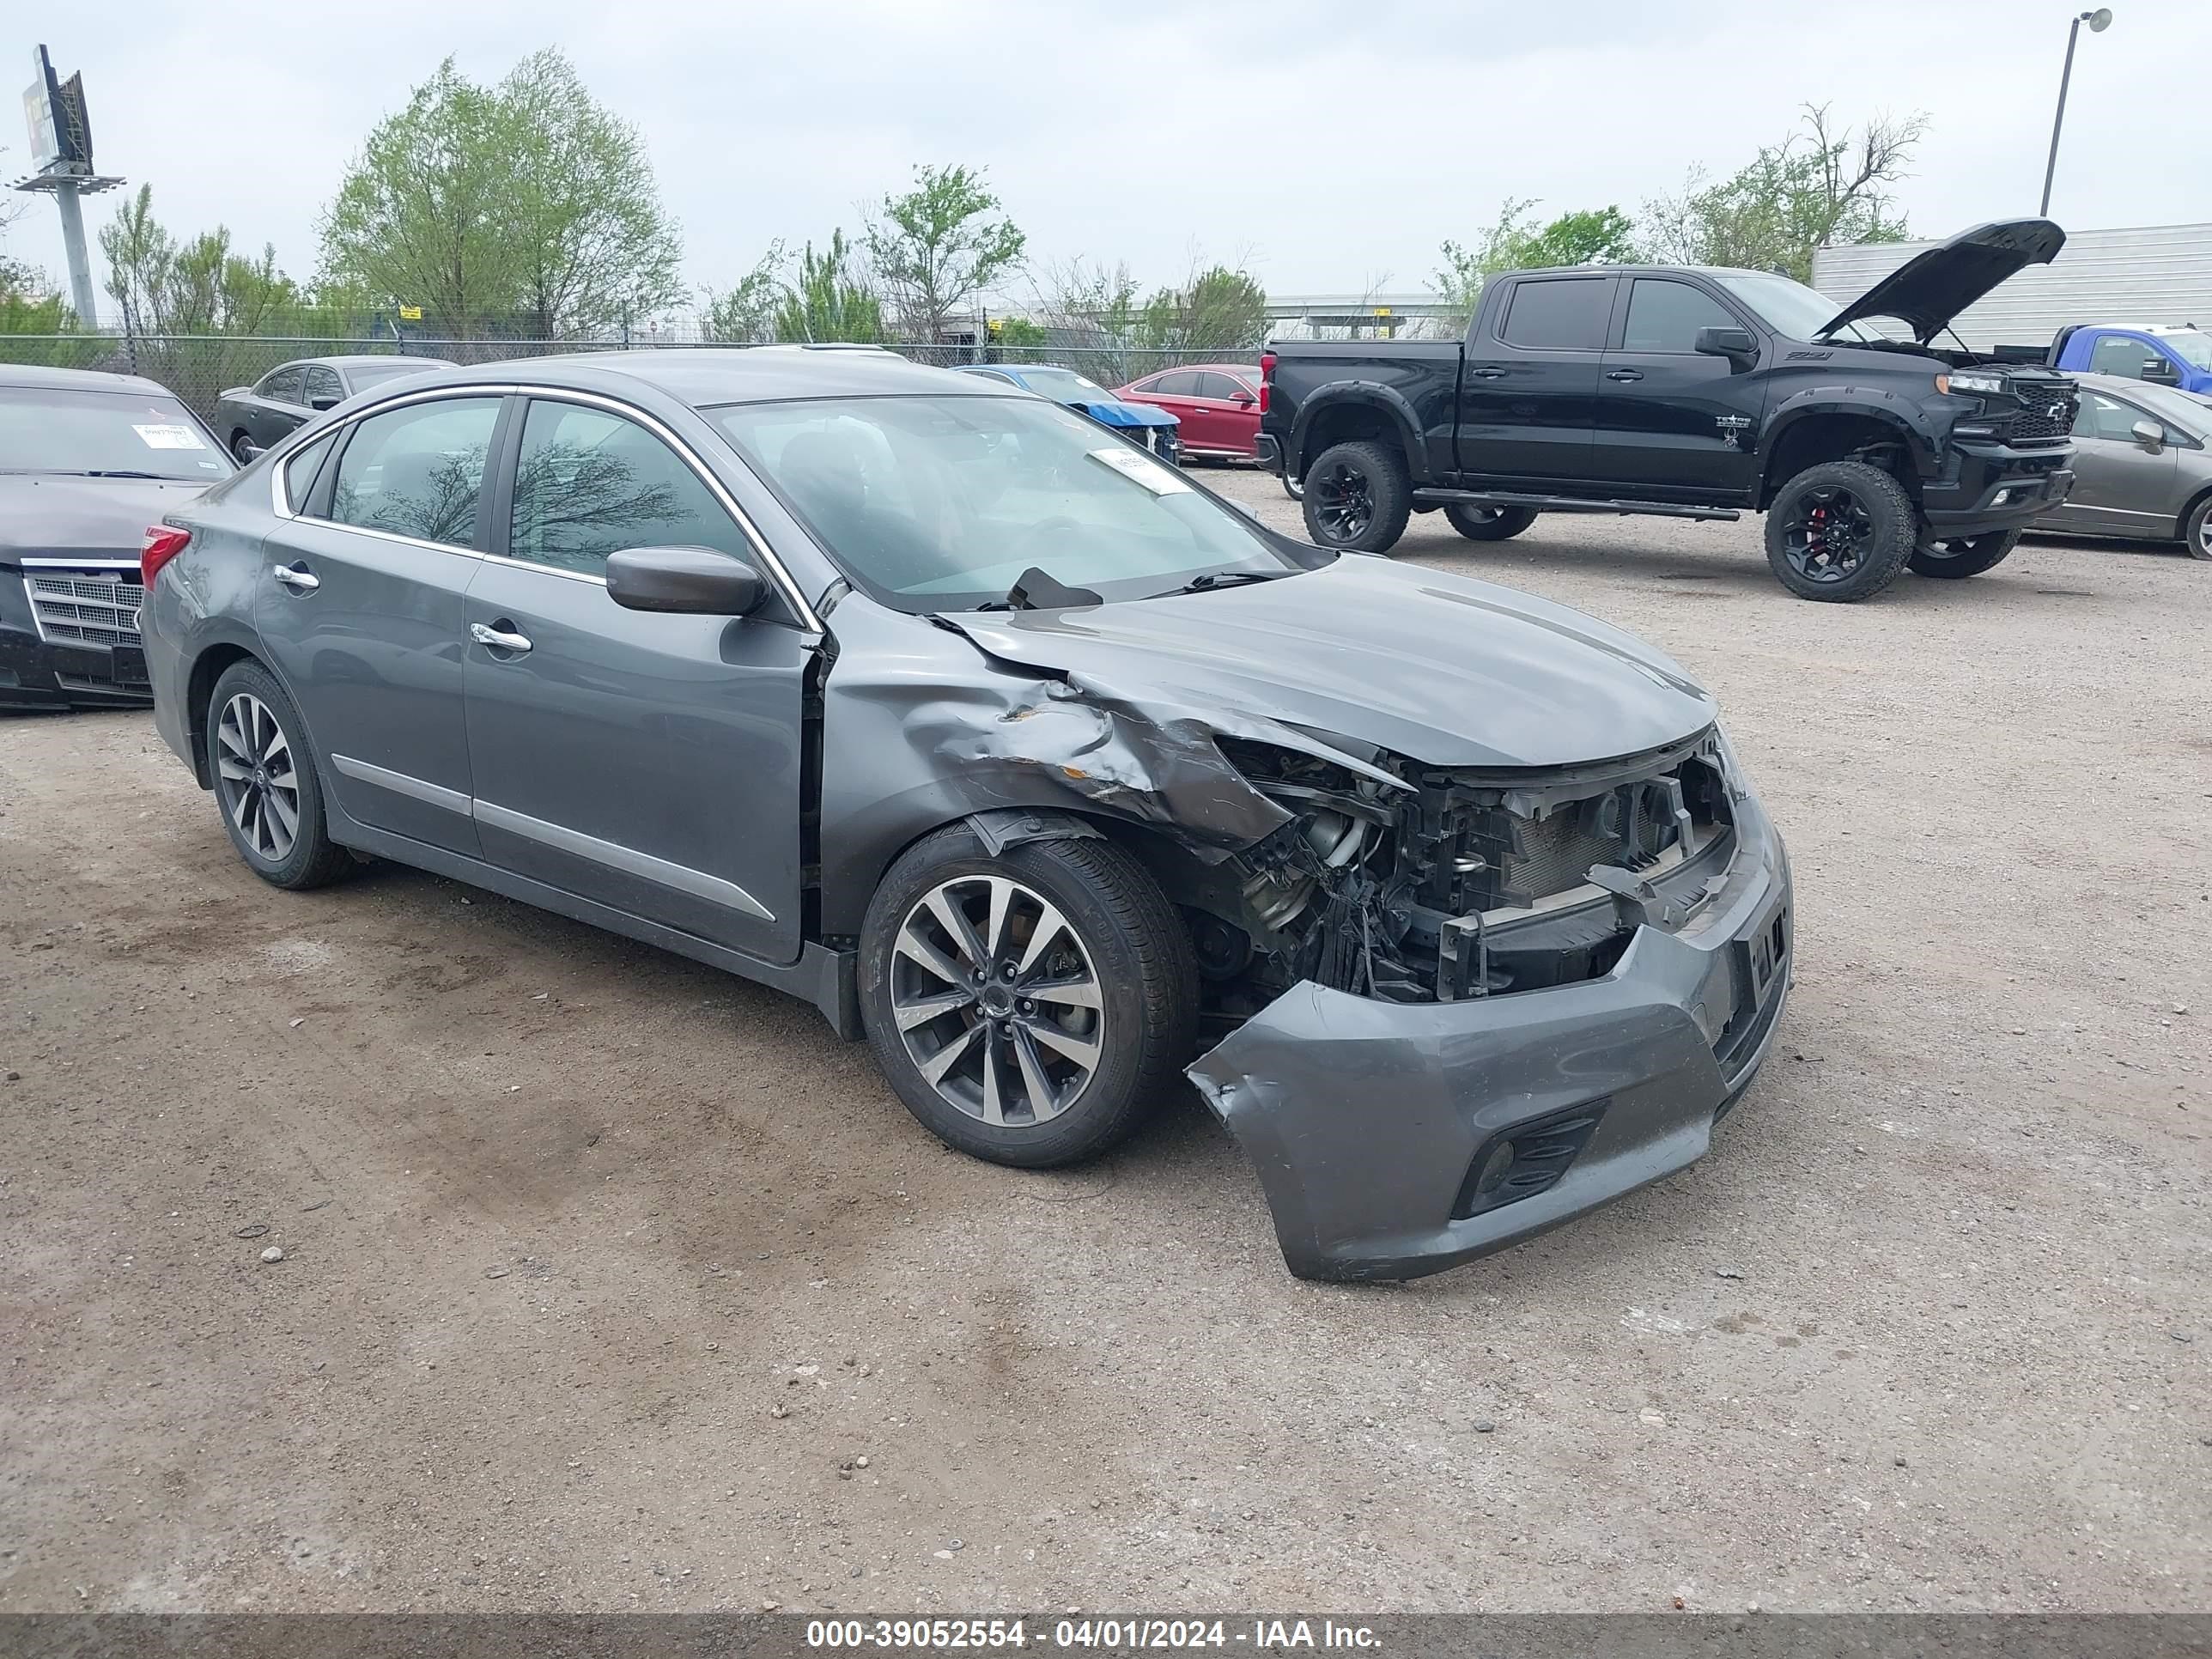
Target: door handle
x=1625 y=374
x=1487 y=373
x=298 y=578
x=500 y=639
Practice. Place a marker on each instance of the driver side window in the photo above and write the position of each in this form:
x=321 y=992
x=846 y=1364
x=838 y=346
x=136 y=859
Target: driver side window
x=588 y=483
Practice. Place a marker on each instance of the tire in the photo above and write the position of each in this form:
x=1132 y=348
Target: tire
x=1294 y=488
x=2196 y=534
x=240 y=444
x=1961 y=556
x=1875 y=517
x=1489 y=523
x=247 y=708
x=1357 y=497
x=1122 y=946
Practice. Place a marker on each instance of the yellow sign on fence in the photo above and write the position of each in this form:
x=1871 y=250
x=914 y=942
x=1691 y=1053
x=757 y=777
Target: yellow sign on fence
x=410 y=314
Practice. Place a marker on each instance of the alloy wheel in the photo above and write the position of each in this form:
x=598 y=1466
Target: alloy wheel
x=255 y=774
x=1344 y=501
x=2204 y=536
x=1828 y=533
x=997 y=999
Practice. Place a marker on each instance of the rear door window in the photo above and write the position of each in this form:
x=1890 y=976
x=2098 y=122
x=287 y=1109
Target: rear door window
x=1561 y=314
x=1181 y=383
x=301 y=470
x=418 y=472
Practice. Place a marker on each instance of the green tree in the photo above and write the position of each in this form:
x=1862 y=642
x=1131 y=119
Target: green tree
x=746 y=314
x=1217 y=309
x=592 y=242
x=1589 y=237
x=829 y=300
x=523 y=206
x=204 y=286
x=933 y=249
x=1822 y=184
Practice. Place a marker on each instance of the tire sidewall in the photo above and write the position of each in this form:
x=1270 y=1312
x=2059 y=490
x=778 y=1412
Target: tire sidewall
x=2192 y=535
x=1983 y=552
x=1389 y=488
x=1134 y=1023
x=1509 y=521
x=309 y=853
x=1896 y=531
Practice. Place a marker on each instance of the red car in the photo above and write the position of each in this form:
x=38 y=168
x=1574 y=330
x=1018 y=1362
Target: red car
x=1218 y=404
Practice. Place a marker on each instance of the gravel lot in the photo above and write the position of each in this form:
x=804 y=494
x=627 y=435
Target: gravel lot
x=604 y=1272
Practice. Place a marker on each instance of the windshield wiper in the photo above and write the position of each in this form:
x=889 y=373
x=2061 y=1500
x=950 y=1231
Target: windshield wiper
x=1224 y=579
x=119 y=472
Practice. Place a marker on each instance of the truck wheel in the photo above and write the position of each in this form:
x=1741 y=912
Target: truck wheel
x=1839 y=531
x=1294 y=488
x=1963 y=555
x=1028 y=1008
x=1489 y=523
x=1358 y=497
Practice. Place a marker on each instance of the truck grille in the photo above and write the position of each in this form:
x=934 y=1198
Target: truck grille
x=85 y=610
x=2043 y=417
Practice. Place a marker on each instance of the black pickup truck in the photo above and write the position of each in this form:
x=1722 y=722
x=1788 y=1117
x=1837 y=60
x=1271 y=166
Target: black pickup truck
x=1694 y=393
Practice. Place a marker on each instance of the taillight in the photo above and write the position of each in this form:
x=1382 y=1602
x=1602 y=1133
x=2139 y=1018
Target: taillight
x=1267 y=379
x=163 y=544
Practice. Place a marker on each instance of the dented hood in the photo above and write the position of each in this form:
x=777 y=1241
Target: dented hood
x=1434 y=667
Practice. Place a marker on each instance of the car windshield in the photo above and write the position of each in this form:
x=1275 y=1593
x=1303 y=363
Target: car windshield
x=1790 y=308
x=365 y=375
x=943 y=503
x=1064 y=384
x=104 y=434
x=2192 y=347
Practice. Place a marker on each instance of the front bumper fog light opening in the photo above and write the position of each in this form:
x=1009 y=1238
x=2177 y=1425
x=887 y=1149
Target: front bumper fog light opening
x=1528 y=1159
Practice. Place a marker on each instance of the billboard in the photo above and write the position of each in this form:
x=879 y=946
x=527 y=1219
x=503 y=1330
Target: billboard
x=54 y=112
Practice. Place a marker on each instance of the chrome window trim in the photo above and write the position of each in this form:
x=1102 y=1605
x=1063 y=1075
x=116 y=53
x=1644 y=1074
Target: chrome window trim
x=40 y=561
x=542 y=570
x=762 y=553
x=628 y=859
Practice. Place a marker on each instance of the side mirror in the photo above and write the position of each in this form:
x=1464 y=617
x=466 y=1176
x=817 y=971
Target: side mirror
x=320 y=403
x=2159 y=370
x=2150 y=434
x=1734 y=344
x=696 y=580
x=1244 y=400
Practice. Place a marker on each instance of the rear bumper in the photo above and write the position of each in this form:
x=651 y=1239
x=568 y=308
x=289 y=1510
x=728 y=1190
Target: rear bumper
x=1994 y=486
x=1268 y=452
x=1369 y=1122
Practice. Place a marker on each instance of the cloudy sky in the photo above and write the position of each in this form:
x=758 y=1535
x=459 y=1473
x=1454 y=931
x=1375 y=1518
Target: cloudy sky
x=1330 y=146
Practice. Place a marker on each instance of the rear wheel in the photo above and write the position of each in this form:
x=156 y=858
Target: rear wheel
x=1029 y=1008
x=1958 y=557
x=1839 y=531
x=1489 y=523
x=1358 y=497
x=265 y=782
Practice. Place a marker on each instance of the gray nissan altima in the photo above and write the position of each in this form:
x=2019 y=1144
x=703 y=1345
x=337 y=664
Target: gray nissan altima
x=1016 y=753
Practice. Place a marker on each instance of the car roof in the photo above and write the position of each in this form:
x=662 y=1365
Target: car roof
x=1217 y=368
x=78 y=380
x=2142 y=328
x=706 y=377
x=362 y=359
x=2166 y=399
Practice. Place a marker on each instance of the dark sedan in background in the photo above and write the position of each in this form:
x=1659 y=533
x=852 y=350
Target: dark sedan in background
x=2141 y=466
x=87 y=462
x=251 y=418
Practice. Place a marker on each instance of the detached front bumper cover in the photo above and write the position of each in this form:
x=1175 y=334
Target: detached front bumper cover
x=1371 y=1122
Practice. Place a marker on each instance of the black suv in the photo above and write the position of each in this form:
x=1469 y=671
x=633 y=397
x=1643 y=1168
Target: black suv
x=1695 y=393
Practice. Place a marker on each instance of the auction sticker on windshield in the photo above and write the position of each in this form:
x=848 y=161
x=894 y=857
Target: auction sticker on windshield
x=1141 y=469
x=168 y=437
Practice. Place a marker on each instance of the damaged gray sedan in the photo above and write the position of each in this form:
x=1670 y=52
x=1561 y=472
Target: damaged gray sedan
x=1045 y=771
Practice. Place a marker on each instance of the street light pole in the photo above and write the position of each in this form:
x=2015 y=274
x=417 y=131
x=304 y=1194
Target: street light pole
x=2098 y=21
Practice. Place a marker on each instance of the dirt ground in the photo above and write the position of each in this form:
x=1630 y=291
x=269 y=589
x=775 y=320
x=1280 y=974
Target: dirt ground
x=604 y=1271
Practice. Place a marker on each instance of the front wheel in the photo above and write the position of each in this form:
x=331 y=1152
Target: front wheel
x=1489 y=523
x=1960 y=557
x=1028 y=1008
x=242 y=448
x=2196 y=535
x=1358 y=497
x=1839 y=531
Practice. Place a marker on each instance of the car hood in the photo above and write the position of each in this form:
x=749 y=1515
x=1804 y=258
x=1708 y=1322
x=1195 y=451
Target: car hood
x=1434 y=667
x=53 y=514
x=1116 y=413
x=1930 y=289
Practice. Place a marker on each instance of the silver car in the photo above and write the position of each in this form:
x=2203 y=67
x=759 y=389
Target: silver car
x=1013 y=750
x=2142 y=466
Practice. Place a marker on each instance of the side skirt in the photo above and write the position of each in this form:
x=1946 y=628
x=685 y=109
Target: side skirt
x=823 y=977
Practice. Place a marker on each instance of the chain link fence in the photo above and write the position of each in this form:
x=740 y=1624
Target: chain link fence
x=200 y=367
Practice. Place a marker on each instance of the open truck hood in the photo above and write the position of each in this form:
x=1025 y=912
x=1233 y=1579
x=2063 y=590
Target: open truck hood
x=1930 y=289
x=1434 y=667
